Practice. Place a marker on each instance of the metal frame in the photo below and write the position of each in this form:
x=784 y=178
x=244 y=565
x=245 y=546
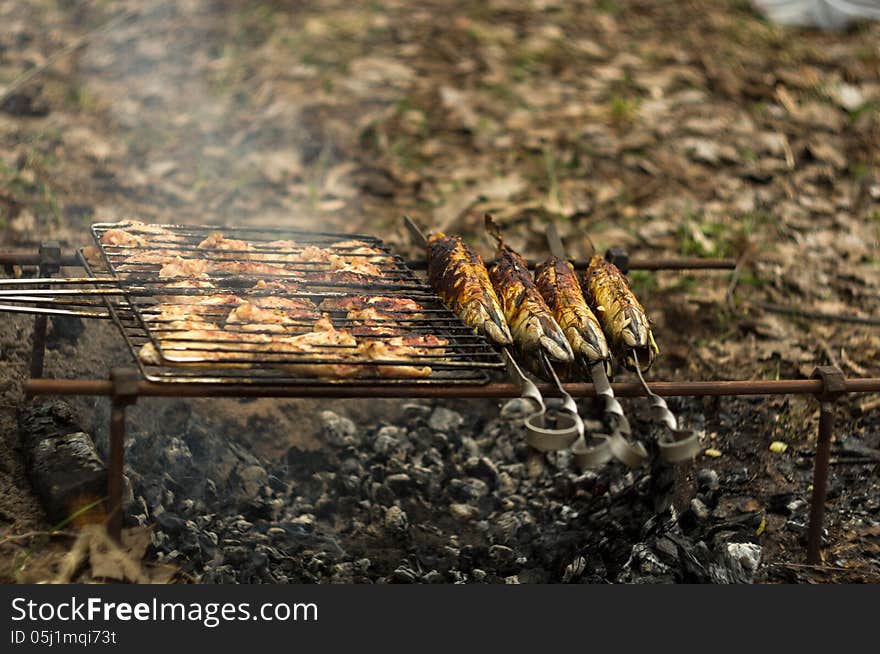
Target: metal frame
x=461 y=359
x=125 y=386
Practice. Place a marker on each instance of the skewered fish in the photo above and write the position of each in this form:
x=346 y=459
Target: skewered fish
x=460 y=278
x=531 y=322
x=558 y=284
x=622 y=316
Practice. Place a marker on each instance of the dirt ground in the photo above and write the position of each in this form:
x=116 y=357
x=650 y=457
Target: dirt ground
x=690 y=128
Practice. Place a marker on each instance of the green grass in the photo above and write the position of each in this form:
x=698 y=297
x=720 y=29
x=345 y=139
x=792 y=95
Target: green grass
x=722 y=238
x=623 y=109
x=43 y=539
x=642 y=281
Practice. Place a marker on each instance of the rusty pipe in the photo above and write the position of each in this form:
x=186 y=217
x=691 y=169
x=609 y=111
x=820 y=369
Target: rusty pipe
x=636 y=263
x=820 y=483
x=33 y=259
x=491 y=390
x=115 y=468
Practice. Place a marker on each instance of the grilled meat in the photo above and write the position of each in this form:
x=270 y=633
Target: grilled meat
x=531 y=322
x=188 y=268
x=622 y=316
x=460 y=278
x=226 y=248
x=246 y=268
x=256 y=316
x=558 y=284
x=193 y=285
x=403 y=348
x=122 y=237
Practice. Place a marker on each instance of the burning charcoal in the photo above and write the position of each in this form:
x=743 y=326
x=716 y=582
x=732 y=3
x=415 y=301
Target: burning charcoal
x=170 y=523
x=433 y=577
x=415 y=414
x=482 y=468
x=507 y=485
x=403 y=575
x=506 y=526
x=325 y=506
x=469 y=489
x=396 y=522
x=399 y=483
x=502 y=555
x=738 y=564
x=700 y=510
x=387 y=440
x=445 y=420
x=463 y=512
x=469 y=447
x=707 y=480
x=253 y=479
x=337 y=430
x=517 y=409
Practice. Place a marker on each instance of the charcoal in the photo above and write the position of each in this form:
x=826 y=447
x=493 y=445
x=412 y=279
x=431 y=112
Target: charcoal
x=396 y=522
x=337 y=428
x=445 y=420
x=440 y=497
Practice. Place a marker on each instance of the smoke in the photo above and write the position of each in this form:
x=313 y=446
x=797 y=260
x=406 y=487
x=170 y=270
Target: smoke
x=214 y=119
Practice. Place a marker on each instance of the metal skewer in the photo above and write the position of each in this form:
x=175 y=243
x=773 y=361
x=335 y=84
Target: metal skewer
x=676 y=445
x=616 y=445
x=11 y=308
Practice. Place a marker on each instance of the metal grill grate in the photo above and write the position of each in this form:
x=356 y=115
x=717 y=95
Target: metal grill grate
x=236 y=308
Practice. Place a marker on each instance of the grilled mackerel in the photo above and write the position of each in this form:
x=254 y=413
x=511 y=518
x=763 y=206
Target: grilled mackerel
x=460 y=278
x=531 y=322
x=622 y=316
x=558 y=284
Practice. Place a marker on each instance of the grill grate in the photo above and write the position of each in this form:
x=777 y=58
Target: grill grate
x=228 y=289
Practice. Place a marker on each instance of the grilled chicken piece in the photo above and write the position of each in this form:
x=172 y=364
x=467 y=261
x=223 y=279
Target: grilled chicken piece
x=189 y=268
x=217 y=244
x=342 y=269
x=256 y=315
x=147 y=228
x=531 y=322
x=372 y=309
x=150 y=257
x=460 y=278
x=558 y=284
x=403 y=348
x=184 y=284
x=362 y=250
x=122 y=237
x=248 y=268
x=130 y=233
x=622 y=316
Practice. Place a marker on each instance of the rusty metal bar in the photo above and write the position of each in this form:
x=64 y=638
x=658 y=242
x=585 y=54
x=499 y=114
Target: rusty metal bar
x=820 y=483
x=124 y=383
x=33 y=259
x=636 y=263
x=492 y=390
x=49 y=258
x=115 y=468
x=833 y=386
